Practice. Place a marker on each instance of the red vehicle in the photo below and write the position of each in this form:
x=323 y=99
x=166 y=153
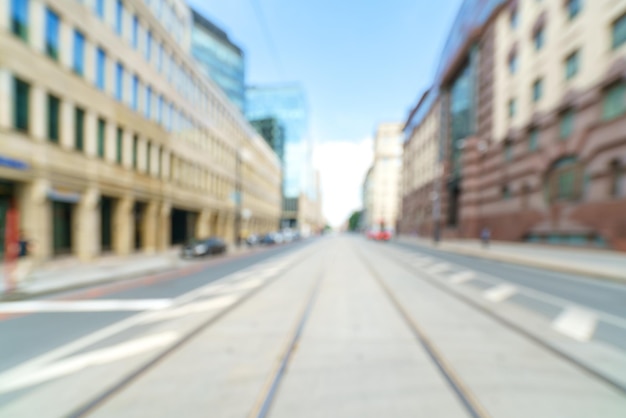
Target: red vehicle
x=379 y=235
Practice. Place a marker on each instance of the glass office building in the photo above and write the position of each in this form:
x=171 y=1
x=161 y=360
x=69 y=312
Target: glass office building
x=220 y=59
x=287 y=104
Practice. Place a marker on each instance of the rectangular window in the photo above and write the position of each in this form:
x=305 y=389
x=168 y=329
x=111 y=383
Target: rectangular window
x=148 y=45
x=52 y=35
x=160 y=109
x=119 y=142
x=19 y=18
x=101 y=136
x=100 y=68
x=135 y=32
x=21 y=97
x=513 y=64
x=619 y=31
x=135 y=146
x=148 y=152
x=537 y=90
x=512 y=108
x=54 y=106
x=614 y=101
x=160 y=58
x=508 y=151
x=533 y=139
x=567 y=124
x=79 y=52
x=99 y=8
x=148 y=102
x=573 y=8
x=539 y=39
x=566 y=184
x=571 y=65
x=119 y=81
x=514 y=19
x=134 y=93
x=119 y=17
x=79 y=129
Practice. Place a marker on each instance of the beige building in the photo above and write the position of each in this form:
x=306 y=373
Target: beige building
x=112 y=140
x=383 y=181
x=420 y=167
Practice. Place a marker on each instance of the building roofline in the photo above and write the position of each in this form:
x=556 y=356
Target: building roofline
x=200 y=19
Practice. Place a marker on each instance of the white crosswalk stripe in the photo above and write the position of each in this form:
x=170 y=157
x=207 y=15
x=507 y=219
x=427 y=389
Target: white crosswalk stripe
x=576 y=323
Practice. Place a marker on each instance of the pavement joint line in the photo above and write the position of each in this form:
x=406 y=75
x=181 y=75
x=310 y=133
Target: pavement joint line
x=104 y=333
x=548 y=298
x=554 y=349
x=464 y=394
x=93 y=404
x=576 y=323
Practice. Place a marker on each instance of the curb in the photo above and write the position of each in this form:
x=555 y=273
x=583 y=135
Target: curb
x=522 y=261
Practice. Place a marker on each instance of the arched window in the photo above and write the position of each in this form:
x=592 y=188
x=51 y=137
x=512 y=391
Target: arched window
x=616 y=179
x=564 y=180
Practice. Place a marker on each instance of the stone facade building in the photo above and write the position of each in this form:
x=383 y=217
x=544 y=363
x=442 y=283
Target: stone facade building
x=533 y=122
x=111 y=138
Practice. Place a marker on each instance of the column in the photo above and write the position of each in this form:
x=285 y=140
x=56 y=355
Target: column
x=91 y=133
x=110 y=142
x=66 y=44
x=5 y=16
x=164 y=226
x=36 y=217
x=87 y=233
x=6 y=95
x=90 y=61
x=124 y=225
x=127 y=149
x=38 y=113
x=151 y=227
x=203 y=227
x=36 y=32
x=67 y=125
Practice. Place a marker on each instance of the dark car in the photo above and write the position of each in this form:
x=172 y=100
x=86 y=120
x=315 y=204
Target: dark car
x=203 y=247
x=268 y=239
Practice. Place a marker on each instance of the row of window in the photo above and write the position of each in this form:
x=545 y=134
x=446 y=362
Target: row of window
x=182 y=172
x=154 y=105
x=573 y=8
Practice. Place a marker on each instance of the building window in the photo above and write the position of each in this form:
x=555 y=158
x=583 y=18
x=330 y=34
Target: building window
x=148 y=152
x=135 y=32
x=567 y=124
x=617 y=179
x=148 y=45
x=539 y=38
x=22 y=104
x=573 y=8
x=160 y=58
x=614 y=101
x=512 y=108
x=619 y=31
x=134 y=93
x=119 y=17
x=514 y=18
x=513 y=63
x=571 y=65
x=160 y=109
x=99 y=8
x=533 y=139
x=79 y=52
x=148 y=102
x=79 y=129
x=119 y=82
x=537 y=90
x=101 y=136
x=19 y=18
x=564 y=181
x=506 y=192
x=135 y=146
x=52 y=35
x=119 y=145
x=100 y=68
x=54 y=106
x=508 y=151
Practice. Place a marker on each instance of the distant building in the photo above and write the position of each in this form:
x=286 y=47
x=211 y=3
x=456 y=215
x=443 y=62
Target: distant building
x=287 y=105
x=274 y=134
x=381 y=189
x=219 y=58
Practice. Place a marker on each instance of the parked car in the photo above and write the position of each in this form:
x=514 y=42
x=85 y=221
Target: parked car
x=379 y=234
x=203 y=247
x=252 y=240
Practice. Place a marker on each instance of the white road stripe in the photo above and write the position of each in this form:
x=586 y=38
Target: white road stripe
x=576 y=323
x=462 y=277
x=94 y=358
x=85 y=305
x=500 y=293
x=190 y=308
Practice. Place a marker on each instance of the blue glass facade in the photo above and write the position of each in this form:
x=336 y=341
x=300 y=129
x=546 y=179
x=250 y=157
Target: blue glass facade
x=288 y=105
x=220 y=59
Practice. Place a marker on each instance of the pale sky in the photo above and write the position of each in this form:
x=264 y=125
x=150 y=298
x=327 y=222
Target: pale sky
x=360 y=63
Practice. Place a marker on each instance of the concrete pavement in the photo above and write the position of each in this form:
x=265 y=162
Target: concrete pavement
x=391 y=331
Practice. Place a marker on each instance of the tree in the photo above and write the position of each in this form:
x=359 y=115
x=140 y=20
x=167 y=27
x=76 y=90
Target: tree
x=355 y=220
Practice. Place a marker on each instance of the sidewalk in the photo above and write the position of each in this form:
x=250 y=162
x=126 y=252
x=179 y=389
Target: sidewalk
x=70 y=273
x=603 y=264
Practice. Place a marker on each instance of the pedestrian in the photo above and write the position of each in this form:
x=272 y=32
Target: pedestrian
x=485 y=235
x=24 y=261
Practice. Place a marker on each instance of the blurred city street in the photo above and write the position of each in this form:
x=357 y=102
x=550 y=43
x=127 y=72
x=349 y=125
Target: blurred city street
x=331 y=327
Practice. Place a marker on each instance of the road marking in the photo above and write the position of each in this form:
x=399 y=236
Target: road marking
x=576 y=323
x=191 y=308
x=85 y=305
x=83 y=361
x=462 y=277
x=438 y=268
x=500 y=293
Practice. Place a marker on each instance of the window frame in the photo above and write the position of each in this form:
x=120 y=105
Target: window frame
x=53 y=131
x=21 y=102
x=78 y=50
x=20 y=18
x=52 y=17
x=79 y=128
